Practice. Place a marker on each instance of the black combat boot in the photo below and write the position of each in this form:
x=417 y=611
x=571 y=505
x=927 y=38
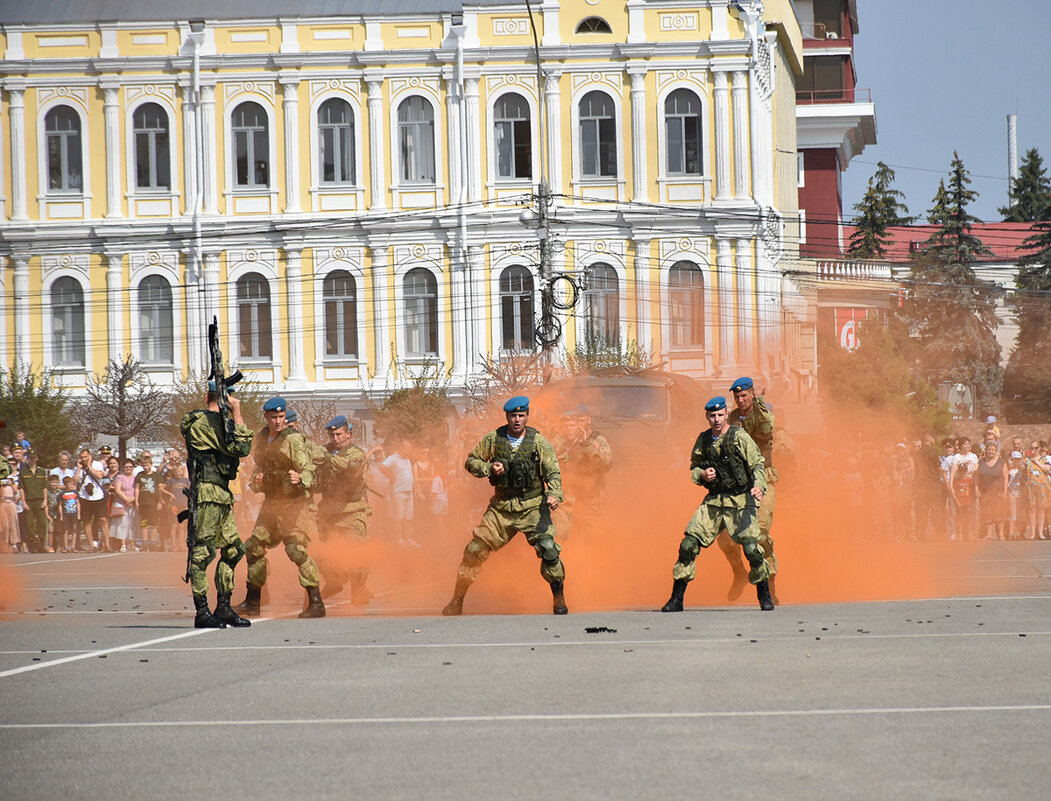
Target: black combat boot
x=762 y=591
x=250 y=606
x=315 y=606
x=559 y=607
x=455 y=606
x=227 y=615
x=205 y=619
x=678 y=590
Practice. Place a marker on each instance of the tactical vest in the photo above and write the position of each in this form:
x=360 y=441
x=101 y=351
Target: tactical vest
x=521 y=478
x=732 y=474
x=766 y=444
x=213 y=467
x=336 y=487
x=275 y=466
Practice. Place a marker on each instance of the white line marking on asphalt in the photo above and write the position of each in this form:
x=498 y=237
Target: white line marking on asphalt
x=80 y=589
x=63 y=561
x=568 y=717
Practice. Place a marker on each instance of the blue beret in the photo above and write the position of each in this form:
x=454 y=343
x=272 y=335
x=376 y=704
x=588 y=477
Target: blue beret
x=519 y=403
x=275 y=405
x=291 y=415
x=339 y=421
x=214 y=391
x=741 y=383
x=715 y=404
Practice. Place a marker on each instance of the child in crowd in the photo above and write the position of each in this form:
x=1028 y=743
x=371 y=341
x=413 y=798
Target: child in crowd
x=69 y=515
x=147 y=483
x=1015 y=484
x=54 y=501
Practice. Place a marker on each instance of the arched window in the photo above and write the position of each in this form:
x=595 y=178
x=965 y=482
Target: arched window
x=514 y=140
x=594 y=25
x=516 y=309
x=682 y=123
x=416 y=134
x=251 y=133
x=686 y=304
x=598 y=136
x=152 y=147
x=65 y=170
x=421 y=312
x=603 y=302
x=67 y=322
x=156 y=332
x=341 y=316
x=253 y=317
x=335 y=129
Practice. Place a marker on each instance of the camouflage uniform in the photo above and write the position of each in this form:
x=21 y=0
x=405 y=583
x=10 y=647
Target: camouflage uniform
x=586 y=463
x=286 y=514
x=511 y=510
x=759 y=425
x=343 y=514
x=733 y=511
x=214 y=527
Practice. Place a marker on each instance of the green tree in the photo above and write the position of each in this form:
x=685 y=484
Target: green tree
x=596 y=351
x=949 y=311
x=419 y=413
x=880 y=208
x=1030 y=192
x=1027 y=380
x=38 y=405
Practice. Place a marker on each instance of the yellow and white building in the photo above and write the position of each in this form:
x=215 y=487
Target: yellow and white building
x=346 y=192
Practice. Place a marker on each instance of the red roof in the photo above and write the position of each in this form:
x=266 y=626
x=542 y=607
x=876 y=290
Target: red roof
x=1004 y=239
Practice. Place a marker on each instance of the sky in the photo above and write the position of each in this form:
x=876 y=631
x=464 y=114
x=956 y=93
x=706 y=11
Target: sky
x=944 y=75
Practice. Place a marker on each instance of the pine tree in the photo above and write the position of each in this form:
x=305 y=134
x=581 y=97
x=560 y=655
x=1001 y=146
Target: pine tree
x=1030 y=191
x=950 y=311
x=880 y=208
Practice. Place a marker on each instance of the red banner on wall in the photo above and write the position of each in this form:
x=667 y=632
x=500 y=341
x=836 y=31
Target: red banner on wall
x=847 y=326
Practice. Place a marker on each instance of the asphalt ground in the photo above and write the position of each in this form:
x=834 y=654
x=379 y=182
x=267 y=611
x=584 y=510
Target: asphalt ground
x=109 y=693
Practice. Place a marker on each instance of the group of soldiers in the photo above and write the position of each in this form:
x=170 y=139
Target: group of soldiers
x=731 y=459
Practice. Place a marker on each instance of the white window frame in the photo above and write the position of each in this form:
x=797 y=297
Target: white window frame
x=136 y=311
x=151 y=196
x=667 y=184
x=700 y=261
x=498 y=328
x=352 y=265
x=47 y=197
x=269 y=272
x=50 y=354
x=494 y=160
x=233 y=192
x=618 y=181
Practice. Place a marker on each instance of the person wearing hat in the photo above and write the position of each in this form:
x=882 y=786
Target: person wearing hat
x=285 y=474
x=215 y=460
x=523 y=469
x=728 y=463
x=343 y=512
x=32 y=483
x=585 y=457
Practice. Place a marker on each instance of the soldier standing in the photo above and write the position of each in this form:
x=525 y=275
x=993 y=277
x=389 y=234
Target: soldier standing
x=284 y=473
x=727 y=462
x=216 y=460
x=757 y=419
x=344 y=509
x=527 y=486
x=586 y=457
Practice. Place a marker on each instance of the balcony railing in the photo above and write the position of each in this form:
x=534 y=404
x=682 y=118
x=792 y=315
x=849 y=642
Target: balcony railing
x=819 y=96
x=854 y=270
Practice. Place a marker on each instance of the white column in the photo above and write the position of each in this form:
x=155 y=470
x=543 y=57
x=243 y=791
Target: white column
x=472 y=132
x=768 y=299
x=452 y=113
x=111 y=118
x=378 y=191
x=643 y=312
x=208 y=151
x=195 y=334
x=115 y=302
x=478 y=290
x=22 y=352
x=211 y=287
x=740 y=107
x=723 y=264
x=16 y=101
x=189 y=147
x=745 y=304
x=638 y=133
x=461 y=323
x=294 y=282
x=290 y=106
x=382 y=330
x=553 y=104
x=722 y=136
x=552 y=36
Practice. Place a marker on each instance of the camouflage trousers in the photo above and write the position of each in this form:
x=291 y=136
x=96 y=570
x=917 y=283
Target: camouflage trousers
x=282 y=523
x=349 y=528
x=214 y=533
x=703 y=528
x=765 y=519
x=498 y=527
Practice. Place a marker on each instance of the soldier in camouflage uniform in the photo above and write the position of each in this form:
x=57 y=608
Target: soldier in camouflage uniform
x=727 y=462
x=527 y=486
x=214 y=531
x=285 y=473
x=585 y=457
x=344 y=509
x=755 y=417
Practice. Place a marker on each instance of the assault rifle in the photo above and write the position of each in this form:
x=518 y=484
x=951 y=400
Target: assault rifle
x=223 y=383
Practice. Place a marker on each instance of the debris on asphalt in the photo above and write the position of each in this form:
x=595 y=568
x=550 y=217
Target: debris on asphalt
x=599 y=630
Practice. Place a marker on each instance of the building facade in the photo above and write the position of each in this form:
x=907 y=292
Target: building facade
x=353 y=195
